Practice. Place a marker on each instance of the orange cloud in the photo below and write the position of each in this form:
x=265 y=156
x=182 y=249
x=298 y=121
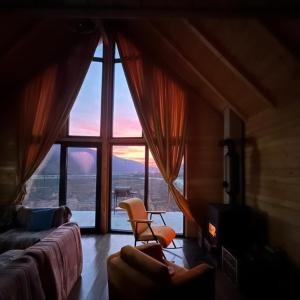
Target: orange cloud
x=136 y=153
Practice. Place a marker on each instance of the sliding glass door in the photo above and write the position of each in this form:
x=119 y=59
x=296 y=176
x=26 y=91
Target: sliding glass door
x=127 y=181
x=81 y=184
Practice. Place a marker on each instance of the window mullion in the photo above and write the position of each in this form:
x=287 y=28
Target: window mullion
x=106 y=129
x=146 y=176
x=63 y=175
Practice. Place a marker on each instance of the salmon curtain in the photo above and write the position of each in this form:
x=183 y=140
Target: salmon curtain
x=45 y=102
x=162 y=110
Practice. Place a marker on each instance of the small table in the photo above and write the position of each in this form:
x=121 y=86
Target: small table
x=121 y=191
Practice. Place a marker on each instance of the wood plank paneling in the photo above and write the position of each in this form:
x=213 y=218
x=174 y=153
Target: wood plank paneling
x=162 y=52
x=243 y=98
x=204 y=159
x=8 y=152
x=252 y=46
x=273 y=172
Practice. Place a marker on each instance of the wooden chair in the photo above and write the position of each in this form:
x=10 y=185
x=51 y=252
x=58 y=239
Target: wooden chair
x=141 y=224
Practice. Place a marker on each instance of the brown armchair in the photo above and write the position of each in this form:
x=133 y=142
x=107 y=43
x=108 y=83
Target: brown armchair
x=142 y=273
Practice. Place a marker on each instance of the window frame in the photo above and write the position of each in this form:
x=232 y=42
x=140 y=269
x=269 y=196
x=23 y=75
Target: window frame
x=64 y=145
x=66 y=140
x=130 y=141
x=104 y=144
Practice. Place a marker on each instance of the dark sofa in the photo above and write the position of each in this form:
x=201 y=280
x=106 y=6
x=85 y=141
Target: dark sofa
x=15 y=232
x=38 y=264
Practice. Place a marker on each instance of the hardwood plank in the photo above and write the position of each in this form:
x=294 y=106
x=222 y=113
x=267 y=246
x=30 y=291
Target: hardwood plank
x=96 y=248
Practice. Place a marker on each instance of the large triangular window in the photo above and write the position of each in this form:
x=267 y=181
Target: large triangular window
x=125 y=119
x=85 y=115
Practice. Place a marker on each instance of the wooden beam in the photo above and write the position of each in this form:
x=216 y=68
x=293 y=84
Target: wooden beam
x=201 y=77
x=139 y=9
x=229 y=64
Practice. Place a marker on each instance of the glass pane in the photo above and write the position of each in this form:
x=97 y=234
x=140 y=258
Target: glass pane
x=117 y=54
x=85 y=115
x=125 y=121
x=81 y=185
x=43 y=186
x=128 y=180
x=99 y=50
x=179 y=181
x=160 y=199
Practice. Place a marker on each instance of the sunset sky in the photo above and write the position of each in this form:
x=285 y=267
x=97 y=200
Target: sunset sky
x=85 y=114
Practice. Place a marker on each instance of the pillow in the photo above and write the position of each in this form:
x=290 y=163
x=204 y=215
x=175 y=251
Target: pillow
x=40 y=219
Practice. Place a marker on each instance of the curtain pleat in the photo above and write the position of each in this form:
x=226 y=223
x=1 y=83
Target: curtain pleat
x=162 y=110
x=45 y=103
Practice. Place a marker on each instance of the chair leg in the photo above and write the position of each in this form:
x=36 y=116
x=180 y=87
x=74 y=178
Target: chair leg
x=154 y=236
x=163 y=219
x=174 y=244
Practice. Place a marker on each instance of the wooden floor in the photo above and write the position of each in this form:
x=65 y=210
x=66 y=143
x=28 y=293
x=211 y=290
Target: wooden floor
x=96 y=249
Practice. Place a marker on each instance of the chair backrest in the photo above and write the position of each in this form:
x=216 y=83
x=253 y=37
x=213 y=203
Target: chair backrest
x=146 y=264
x=136 y=210
x=136 y=276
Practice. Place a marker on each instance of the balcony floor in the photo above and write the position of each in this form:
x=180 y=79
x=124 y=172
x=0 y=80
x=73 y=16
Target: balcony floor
x=119 y=220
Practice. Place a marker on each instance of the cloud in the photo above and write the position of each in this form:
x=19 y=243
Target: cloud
x=127 y=128
x=78 y=126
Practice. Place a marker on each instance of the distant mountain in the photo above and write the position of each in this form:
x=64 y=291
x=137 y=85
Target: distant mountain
x=83 y=161
x=121 y=166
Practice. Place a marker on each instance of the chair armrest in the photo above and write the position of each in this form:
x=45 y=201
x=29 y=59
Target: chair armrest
x=156 y=212
x=200 y=278
x=141 y=221
x=196 y=274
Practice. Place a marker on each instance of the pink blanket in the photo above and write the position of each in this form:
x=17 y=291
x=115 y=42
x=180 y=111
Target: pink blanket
x=19 y=280
x=59 y=259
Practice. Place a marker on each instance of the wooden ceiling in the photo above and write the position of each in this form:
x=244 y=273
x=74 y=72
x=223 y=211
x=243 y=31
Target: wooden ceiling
x=229 y=62
x=148 y=8
x=245 y=57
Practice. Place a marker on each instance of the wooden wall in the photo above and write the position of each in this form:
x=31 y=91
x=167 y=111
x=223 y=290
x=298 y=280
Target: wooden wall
x=273 y=172
x=8 y=150
x=204 y=160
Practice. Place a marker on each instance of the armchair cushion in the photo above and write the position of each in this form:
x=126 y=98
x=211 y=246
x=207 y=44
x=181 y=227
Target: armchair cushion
x=164 y=234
